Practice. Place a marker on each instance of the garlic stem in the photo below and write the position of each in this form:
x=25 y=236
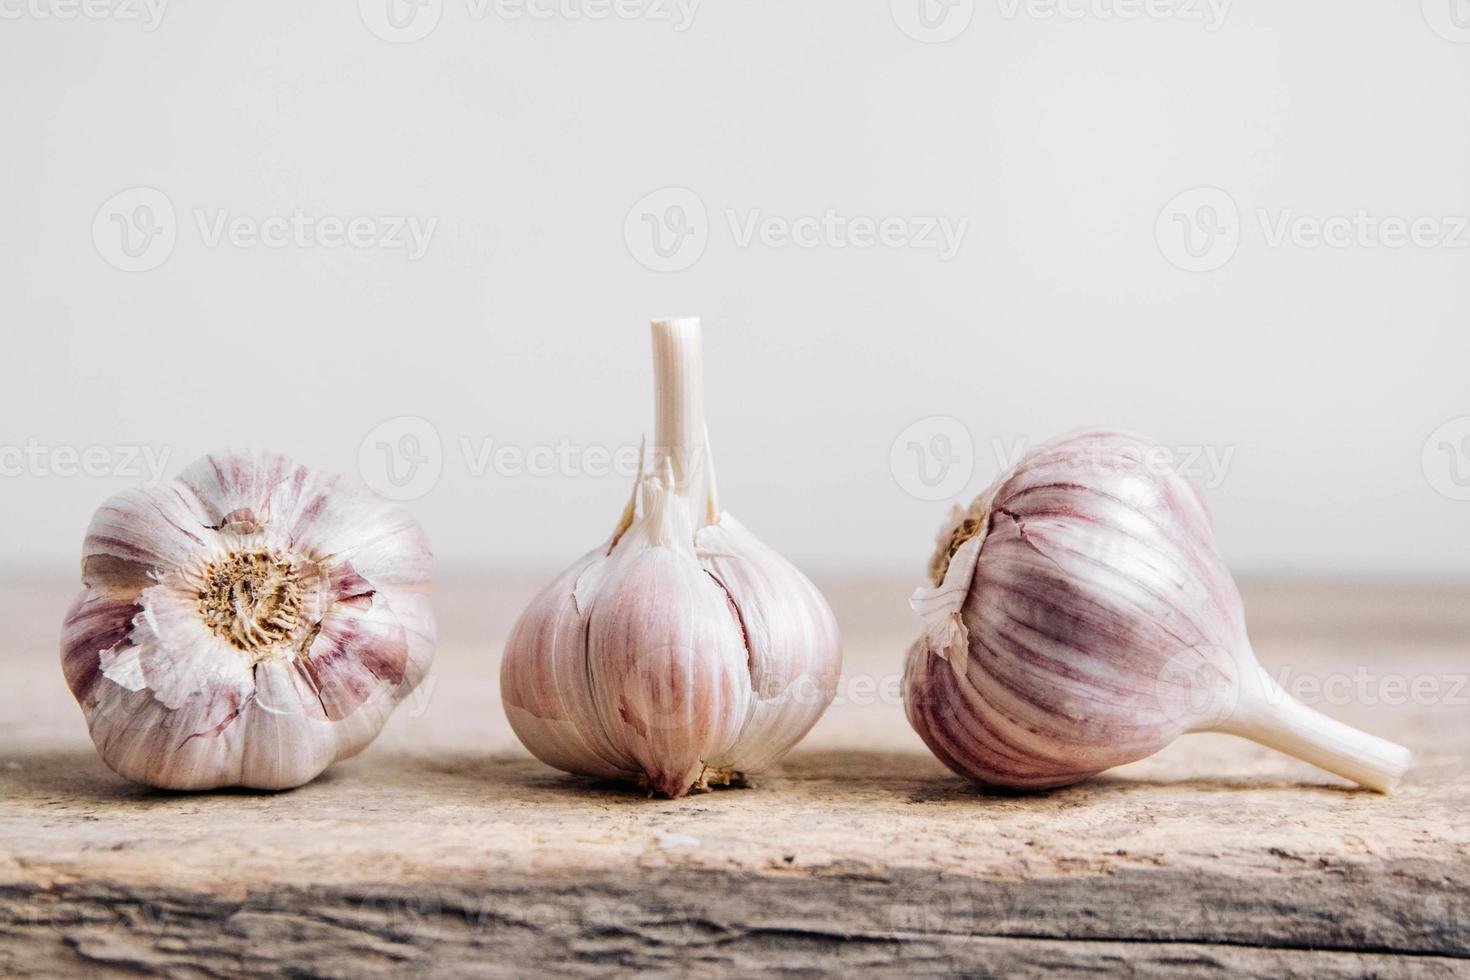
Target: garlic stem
x=1272 y=717
x=678 y=370
x=712 y=490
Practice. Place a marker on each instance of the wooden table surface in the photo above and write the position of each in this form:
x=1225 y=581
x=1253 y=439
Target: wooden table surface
x=446 y=849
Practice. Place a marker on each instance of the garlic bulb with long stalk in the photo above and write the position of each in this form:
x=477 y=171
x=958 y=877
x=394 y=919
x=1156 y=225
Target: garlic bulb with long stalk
x=248 y=624
x=1081 y=618
x=682 y=651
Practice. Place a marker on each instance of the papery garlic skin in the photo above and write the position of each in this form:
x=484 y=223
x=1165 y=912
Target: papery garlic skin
x=248 y=624
x=1082 y=619
x=674 y=656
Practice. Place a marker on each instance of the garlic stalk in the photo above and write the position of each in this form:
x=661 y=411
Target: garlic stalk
x=682 y=651
x=1082 y=618
x=248 y=624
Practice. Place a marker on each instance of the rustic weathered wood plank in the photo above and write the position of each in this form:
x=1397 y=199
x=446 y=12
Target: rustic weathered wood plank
x=446 y=849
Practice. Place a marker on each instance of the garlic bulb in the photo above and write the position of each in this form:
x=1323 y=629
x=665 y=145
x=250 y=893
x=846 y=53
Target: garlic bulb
x=1081 y=619
x=682 y=651
x=248 y=624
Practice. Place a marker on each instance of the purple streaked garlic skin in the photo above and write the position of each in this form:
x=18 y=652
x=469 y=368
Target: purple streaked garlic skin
x=1082 y=619
x=683 y=652
x=248 y=624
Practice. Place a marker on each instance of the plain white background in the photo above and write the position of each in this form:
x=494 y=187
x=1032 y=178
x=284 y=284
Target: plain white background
x=1327 y=381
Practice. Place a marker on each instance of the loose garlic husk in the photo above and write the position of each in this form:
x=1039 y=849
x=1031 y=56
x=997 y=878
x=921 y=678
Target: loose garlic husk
x=1082 y=619
x=248 y=624
x=683 y=651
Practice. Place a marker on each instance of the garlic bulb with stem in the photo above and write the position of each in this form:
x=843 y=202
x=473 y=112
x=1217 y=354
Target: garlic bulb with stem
x=682 y=651
x=1081 y=618
x=248 y=624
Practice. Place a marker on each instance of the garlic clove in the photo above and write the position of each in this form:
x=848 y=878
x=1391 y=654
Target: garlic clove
x=788 y=632
x=248 y=624
x=1082 y=619
x=544 y=684
x=665 y=656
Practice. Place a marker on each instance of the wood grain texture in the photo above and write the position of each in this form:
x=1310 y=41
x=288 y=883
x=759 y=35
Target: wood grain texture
x=445 y=849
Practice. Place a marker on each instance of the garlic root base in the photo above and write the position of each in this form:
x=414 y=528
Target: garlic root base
x=708 y=780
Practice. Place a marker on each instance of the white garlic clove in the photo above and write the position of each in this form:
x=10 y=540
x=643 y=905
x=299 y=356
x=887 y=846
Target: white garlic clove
x=1082 y=619
x=248 y=624
x=544 y=684
x=789 y=633
x=676 y=655
x=665 y=655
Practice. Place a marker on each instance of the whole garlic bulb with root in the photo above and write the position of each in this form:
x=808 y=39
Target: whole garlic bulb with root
x=248 y=624
x=682 y=651
x=1081 y=619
